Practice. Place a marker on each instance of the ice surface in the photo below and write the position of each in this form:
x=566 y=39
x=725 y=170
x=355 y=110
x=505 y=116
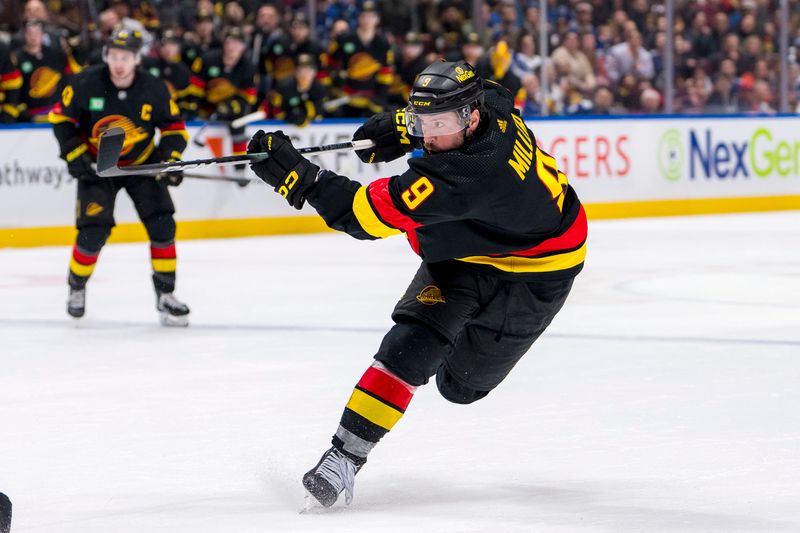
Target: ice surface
x=664 y=397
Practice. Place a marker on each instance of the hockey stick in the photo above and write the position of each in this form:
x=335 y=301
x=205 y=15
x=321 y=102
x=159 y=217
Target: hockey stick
x=112 y=141
x=247 y=119
x=197 y=140
x=241 y=182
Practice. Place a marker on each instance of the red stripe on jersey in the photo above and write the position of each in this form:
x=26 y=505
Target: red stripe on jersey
x=167 y=252
x=197 y=81
x=386 y=387
x=572 y=238
x=82 y=258
x=175 y=126
x=411 y=235
x=14 y=74
x=378 y=192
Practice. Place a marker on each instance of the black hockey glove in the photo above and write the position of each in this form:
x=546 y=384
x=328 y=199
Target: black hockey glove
x=172 y=179
x=80 y=167
x=291 y=174
x=388 y=131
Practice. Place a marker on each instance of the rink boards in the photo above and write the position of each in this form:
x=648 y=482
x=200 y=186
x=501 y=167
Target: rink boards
x=620 y=166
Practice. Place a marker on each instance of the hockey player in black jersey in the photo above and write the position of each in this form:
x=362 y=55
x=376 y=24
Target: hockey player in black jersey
x=10 y=85
x=44 y=69
x=500 y=232
x=117 y=94
x=298 y=100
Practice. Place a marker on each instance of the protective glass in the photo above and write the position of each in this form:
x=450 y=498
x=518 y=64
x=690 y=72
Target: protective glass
x=436 y=124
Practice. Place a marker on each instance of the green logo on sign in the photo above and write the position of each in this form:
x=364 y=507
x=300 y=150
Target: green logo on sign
x=670 y=155
x=97 y=104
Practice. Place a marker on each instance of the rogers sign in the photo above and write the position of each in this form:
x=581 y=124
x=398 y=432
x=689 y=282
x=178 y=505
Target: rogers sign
x=590 y=156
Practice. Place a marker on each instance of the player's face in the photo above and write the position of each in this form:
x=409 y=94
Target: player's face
x=33 y=36
x=234 y=48
x=121 y=64
x=305 y=75
x=446 y=131
x=171 y=51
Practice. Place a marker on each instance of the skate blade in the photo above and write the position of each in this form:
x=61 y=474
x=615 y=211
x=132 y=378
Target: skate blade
x=172 y=321
x=312 y=506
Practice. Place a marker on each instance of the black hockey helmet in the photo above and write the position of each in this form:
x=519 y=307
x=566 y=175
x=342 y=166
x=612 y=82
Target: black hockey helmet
x=126 y=39
x=444 y=86
x=442 y=98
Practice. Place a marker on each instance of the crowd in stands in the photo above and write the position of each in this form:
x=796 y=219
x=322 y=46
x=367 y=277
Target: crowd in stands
x=356 y=57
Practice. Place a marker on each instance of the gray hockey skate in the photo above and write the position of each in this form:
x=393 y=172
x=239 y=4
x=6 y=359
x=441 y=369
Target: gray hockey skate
x=171 y=311
x=76 y=302
x=334 y=473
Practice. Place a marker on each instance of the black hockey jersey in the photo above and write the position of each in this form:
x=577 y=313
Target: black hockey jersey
x=364 y=71
x=90 y=104
x=184 y=87
x=287 y=101
x=10 y=85
x=230 y=88
x=499 y=204
x=43 y=78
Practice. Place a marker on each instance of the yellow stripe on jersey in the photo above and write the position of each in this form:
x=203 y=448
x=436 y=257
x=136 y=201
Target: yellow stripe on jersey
x=367 y=217
x=373 y=410
x=56 y=118
x=531 y=264
x=11 y=84
x=164 y=265
x=146 y=153
x=182 y=132
x=76 y=153
x=11 y=110
x=78 y=269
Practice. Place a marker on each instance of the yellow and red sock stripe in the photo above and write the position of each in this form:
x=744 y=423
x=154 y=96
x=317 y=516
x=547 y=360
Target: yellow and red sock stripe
x=163 y=257
x=82 y=262
x=380 y=397
x=240 y=148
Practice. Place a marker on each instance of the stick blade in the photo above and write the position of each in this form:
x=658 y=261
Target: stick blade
x=108 y=152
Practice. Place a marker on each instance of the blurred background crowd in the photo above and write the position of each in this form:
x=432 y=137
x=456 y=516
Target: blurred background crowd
x=301 y=61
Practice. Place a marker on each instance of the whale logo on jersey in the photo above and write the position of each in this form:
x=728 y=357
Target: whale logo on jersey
x=133 y=134
x=362 y=66
x=44 y=82
x=283 y=68
x=430 y=295
x=219 y=90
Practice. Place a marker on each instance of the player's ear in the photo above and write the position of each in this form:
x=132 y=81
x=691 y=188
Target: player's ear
x=474 y=118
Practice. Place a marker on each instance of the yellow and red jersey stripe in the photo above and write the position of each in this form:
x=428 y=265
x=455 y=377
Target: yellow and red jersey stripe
x=376 y=212
x=566 y=251
x=11 y=81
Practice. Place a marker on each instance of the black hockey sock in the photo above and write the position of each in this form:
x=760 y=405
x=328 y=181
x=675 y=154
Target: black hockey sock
x=378 y=401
